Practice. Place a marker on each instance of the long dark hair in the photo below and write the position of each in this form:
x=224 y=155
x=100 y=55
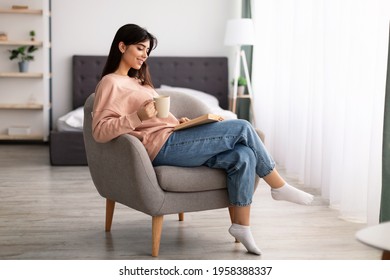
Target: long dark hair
x=130 y=34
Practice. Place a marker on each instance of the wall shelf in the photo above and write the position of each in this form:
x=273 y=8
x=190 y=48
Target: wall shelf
x=21 y=137
x=21 y=11
x=20 y=75
x=21 y=43
x=31 y=106
x=25 y=97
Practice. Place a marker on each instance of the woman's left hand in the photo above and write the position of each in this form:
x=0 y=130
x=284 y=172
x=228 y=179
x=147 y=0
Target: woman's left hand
x=183 y=120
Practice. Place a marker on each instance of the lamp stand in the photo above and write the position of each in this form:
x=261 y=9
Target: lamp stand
x=240 y=56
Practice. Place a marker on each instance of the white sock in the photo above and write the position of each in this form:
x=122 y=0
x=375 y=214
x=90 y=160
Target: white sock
x=244 y=235
x=291 y=194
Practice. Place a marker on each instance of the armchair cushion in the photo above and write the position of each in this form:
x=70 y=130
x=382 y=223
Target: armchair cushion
x=194 y=179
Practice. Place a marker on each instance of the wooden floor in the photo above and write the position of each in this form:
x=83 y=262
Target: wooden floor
x=51 y=212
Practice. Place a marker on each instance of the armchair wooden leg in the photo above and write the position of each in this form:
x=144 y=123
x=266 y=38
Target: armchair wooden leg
x=386 y=255
x=181 y=217
x=231 y=213
x=157 y=223
x=110 y=206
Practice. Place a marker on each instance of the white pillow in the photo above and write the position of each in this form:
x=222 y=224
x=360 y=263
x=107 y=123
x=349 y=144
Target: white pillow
x=72 y=121
x=208 y=99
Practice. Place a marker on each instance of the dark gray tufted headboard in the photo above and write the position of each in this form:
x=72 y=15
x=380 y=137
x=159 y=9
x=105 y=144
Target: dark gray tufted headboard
x=207 y=74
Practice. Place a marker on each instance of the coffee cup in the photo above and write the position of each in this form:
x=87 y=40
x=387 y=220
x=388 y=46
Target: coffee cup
x=162 y=103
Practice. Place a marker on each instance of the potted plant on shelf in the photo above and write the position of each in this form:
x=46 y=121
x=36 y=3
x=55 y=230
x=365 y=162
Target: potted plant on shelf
x=241 y=83
x=32 y=35
x=24 y=55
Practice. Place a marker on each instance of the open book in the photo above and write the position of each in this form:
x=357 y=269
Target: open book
x=207 y=118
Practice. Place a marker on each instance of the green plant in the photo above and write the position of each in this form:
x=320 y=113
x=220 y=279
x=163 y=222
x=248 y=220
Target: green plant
x=23 y=53
x=241 y=81
x=32 y=35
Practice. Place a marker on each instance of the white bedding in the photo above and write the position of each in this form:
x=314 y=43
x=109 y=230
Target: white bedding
x=73 y=121
x=206 y=98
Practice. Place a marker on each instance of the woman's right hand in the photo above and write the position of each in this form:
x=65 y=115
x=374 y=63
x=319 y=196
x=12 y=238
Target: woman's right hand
x=147 y=110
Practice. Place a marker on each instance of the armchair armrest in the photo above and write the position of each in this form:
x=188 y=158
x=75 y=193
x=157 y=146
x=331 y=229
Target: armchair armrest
x=137 y=186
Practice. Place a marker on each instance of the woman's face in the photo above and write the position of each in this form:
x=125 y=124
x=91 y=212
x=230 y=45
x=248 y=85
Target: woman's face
x=134 y=55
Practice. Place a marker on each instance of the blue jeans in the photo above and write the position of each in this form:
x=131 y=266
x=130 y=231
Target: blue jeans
x=232 y=145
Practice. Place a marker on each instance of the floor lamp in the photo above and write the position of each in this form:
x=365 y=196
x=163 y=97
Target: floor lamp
x=240 y=32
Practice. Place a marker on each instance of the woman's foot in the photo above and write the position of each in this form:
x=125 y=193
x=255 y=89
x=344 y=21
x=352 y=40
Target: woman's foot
x=244 y=235
x=291 y=194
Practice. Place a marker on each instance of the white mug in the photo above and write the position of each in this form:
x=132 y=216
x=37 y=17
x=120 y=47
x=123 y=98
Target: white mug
x=162 y=103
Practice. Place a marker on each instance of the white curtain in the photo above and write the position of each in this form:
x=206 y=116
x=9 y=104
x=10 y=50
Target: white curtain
x=319 y=78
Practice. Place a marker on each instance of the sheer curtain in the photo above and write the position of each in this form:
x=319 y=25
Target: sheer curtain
x=319 y=76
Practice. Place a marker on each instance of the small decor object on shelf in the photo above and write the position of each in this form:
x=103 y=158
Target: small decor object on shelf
x=3 y=36
x=32 y=35
x=24 y=55
x=19 y=130
x=241 y=83
x=19 y=7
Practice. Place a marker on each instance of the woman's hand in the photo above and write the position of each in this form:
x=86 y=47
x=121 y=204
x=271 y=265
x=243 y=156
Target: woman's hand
x=183 y=120
x=147 y=110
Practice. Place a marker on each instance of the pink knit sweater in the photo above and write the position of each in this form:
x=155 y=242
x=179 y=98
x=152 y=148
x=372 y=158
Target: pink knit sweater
x=117 y=99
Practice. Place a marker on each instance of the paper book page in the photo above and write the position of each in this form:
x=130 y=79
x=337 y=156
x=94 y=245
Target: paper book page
x=207 y=118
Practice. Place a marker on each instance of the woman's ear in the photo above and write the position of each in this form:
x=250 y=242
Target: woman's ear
x=122 y=47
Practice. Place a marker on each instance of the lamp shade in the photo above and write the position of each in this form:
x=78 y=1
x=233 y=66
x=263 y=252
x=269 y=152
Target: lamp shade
x=239 y=32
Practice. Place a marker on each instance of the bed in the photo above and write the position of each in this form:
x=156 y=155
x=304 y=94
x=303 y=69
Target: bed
x=206 y=77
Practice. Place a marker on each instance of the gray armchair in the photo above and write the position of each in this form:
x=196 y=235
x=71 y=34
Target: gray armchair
x=122 y=172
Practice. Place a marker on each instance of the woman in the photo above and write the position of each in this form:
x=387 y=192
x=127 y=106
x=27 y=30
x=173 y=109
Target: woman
x=124 y=104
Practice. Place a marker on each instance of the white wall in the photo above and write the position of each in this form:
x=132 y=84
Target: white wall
x=87 y=27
